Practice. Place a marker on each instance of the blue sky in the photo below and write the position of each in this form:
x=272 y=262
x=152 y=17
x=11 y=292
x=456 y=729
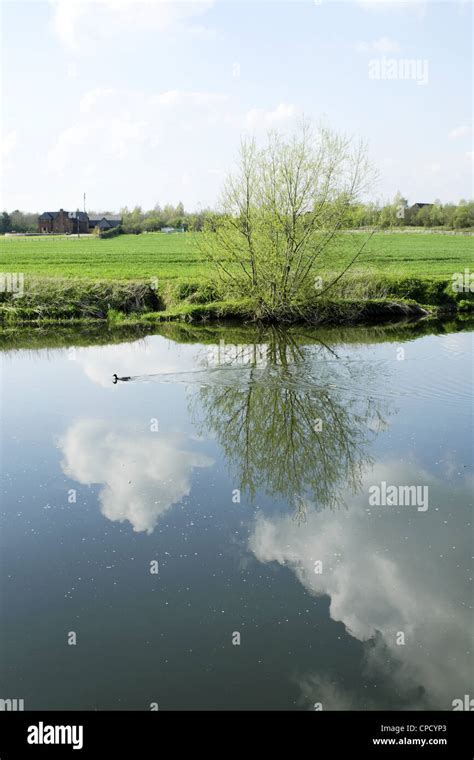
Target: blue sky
x=145 y=102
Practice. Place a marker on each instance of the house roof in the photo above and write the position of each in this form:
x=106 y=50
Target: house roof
x=111 y=221
x=102 y=223
x=49 y=214
x=81 y=215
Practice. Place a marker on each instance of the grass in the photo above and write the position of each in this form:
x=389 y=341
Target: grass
x=176 y=258
x=152 y=277
x=127 y=257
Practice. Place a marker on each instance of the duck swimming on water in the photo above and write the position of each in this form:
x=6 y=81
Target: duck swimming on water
x=122 y=379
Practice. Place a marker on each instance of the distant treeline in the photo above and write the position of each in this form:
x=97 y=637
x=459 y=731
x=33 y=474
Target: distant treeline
x=398 y=213
x=137 y=220
x=17 y=221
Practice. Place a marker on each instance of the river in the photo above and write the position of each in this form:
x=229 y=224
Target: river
x=256 y=519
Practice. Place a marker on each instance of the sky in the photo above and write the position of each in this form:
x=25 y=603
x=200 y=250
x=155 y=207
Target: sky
x=139 y=103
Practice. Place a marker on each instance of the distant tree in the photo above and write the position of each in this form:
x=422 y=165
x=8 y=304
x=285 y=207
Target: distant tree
x=449 y=209
x=387 y=216
x=178 y=222
x=5 y=223
x=400 y=206
x=422 y=218
x=356 y=216
x=152 y=222
x=169 y=212
x=436 y=216
x=394 y=214
x=464 y=215
x=133 y=220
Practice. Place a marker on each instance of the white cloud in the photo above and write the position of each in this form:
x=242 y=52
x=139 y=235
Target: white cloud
x=142 y=476
x=72 y=18
x=89 y=143
x=65 y=148
x=72 y=71
x=382 y=45
x=383 y=575
x=470 y=156
x=67 y=17
x=108 y=127
x=461 y=131
x=187 y=98
x=121 y=133
x=259 y=118
x=433 y=168
x=202 y=32
x=9 y=143
x=93 y=97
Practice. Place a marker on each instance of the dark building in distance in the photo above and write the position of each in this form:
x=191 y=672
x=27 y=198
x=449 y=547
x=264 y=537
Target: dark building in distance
x=74 y=222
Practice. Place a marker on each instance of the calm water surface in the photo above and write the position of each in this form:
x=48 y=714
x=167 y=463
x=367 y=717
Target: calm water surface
x=238 y=466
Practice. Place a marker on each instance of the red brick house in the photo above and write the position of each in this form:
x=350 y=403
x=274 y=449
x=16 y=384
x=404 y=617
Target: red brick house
x=63 y=222
x=74 y=222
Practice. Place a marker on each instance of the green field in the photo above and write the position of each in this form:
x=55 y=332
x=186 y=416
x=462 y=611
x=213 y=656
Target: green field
x=176 y=257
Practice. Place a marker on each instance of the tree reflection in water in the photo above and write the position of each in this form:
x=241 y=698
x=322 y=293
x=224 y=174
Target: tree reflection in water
x=299 y=426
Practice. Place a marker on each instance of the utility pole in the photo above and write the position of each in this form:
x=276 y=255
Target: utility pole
x=84 y=203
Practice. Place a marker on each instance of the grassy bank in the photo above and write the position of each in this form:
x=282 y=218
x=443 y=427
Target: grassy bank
x=153 y=278
x=356 y=299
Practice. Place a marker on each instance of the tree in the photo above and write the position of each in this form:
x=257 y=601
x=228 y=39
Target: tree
x=282 y=211
x=423 y=215
x=152 y=221
x=464 y=215
x=400 y=206
x=394 y=214
x=132 y=220
x=387 y=216
x=436 y=215
x=449 y=209
x=5 y=223
x=22 y=222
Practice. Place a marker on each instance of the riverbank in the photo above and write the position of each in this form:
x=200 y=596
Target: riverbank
x=155 y=278
x=356 y=299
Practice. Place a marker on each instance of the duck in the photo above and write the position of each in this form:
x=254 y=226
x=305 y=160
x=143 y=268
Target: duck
x=122 y=379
